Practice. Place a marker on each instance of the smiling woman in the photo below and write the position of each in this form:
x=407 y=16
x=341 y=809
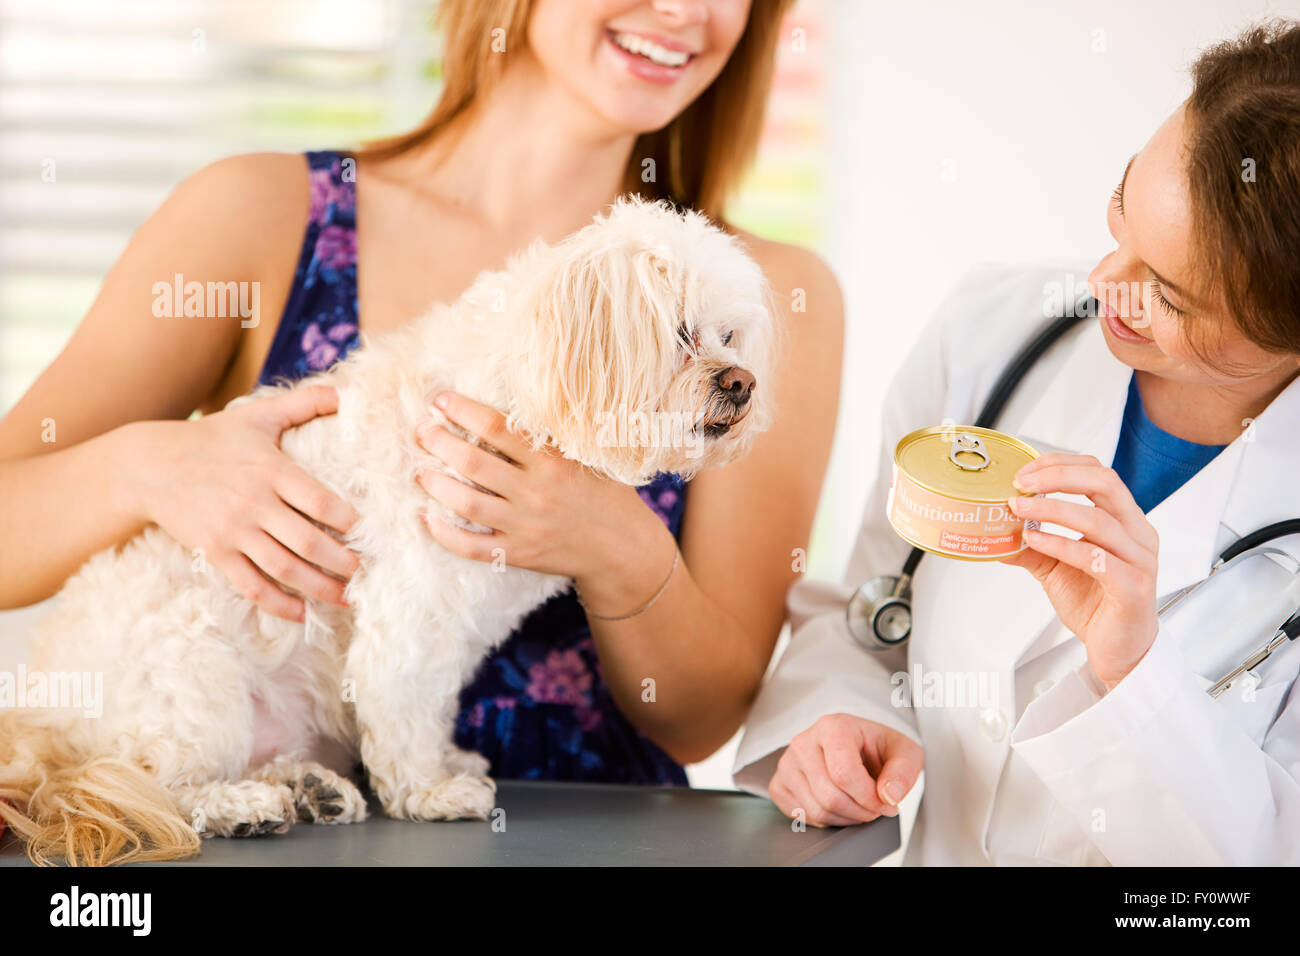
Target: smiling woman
x=710 y=103
x=550 y=111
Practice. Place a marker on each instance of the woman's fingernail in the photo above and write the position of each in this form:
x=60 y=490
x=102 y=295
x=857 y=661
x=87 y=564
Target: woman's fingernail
x=440 y=400
x=894 y=792
x=1023 y=482
x=1019 y=505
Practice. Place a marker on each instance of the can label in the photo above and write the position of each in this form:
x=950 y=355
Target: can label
x=951 y=526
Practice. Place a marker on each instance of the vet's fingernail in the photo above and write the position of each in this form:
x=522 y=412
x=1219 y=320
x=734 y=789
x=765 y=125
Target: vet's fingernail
x=441 y=399
x=894 y=792
x=1023 y=482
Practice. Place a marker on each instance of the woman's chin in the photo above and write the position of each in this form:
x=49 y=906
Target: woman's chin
x=632 y=114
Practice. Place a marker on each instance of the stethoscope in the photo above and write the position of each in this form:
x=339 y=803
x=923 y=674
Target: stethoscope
x=879 y=614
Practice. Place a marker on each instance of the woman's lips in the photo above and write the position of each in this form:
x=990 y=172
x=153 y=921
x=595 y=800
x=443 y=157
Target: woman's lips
x=646 y=70
x=1118 y=329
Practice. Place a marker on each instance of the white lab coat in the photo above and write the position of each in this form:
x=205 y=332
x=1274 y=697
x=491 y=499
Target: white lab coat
x=1049 y=768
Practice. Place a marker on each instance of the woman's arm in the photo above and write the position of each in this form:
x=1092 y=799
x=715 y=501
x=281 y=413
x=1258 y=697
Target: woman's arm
x=87 y=457
x=706 y=642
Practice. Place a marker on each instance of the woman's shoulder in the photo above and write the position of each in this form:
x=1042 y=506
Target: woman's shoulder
x=803 y=285
x=238 y=219
x=785 y=261
x=252 y=200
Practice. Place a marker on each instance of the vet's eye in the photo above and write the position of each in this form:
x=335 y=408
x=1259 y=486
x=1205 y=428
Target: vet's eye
x=726 y=339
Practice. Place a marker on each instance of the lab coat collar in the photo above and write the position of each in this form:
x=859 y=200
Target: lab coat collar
x=1265 y=489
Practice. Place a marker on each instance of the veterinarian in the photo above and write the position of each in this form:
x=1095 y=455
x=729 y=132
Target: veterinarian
x=1086 y=735
x=550 y=110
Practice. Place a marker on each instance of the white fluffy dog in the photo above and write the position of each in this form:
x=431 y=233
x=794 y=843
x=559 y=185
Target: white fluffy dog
x=221 y=719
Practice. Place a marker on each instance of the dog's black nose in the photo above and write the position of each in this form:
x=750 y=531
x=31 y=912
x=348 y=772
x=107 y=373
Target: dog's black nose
x=735 y=383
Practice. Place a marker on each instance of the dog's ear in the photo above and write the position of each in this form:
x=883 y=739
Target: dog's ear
x=598 y=324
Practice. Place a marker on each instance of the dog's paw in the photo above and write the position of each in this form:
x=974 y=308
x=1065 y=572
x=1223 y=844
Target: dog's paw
x=458 y=797
x=322 y=796
x=247 y=808
x=467 y=762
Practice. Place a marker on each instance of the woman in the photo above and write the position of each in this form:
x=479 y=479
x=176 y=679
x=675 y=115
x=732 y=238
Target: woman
x=551 y=110
x=1094 y=741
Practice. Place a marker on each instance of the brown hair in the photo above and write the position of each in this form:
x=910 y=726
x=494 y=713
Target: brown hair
x=1243 y=168
x=698 y=158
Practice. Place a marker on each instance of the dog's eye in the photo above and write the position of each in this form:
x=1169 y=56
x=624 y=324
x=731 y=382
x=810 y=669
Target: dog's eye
x=689 y=339
x=726 y=339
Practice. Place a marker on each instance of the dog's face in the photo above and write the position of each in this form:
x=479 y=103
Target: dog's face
x=648 y=345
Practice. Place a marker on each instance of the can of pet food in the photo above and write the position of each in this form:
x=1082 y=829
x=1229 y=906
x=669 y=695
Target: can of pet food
x=950 y=488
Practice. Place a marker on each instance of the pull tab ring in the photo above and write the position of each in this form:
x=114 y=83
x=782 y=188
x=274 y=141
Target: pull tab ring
x=967 y=444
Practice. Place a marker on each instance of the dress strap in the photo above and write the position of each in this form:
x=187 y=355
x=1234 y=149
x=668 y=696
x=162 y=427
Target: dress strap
x=319 y=324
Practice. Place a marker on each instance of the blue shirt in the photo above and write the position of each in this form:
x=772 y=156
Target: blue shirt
x=1150 y=461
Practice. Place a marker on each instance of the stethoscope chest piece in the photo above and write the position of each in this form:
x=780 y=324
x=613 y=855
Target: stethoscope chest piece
x=879 y=614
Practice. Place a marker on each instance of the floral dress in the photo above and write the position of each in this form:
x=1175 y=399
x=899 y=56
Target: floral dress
x=538 y=707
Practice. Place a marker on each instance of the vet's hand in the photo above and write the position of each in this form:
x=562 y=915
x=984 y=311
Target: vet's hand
x=222 y=484
x=845 y=770
x=548 y=514
x=1102 y=586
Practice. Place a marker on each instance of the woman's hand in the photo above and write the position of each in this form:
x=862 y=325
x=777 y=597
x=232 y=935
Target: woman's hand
x=845 y=770
x=547 y=514
x=1102 y=586
x=221 y=484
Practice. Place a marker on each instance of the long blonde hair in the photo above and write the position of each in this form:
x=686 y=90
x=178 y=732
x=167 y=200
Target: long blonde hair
x=698 y=158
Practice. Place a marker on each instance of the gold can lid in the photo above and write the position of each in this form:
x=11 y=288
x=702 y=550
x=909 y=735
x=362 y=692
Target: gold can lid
x=964 y=461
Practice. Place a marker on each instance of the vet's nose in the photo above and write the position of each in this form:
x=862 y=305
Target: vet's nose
x=736 y=383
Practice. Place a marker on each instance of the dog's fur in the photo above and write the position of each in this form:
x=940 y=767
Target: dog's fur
x=221 y=719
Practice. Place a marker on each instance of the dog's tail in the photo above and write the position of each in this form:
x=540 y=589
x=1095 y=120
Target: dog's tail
x=91 y=812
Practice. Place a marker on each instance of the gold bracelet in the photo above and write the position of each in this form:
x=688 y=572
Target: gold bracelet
x=648 y=605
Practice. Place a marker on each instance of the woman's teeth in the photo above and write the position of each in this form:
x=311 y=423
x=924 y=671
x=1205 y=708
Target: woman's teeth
x=650 y=50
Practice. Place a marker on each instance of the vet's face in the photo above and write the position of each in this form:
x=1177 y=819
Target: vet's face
x=1153 y=302
x=636 y=64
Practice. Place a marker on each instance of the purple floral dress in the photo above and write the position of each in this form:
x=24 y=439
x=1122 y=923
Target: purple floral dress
x=538 y=707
